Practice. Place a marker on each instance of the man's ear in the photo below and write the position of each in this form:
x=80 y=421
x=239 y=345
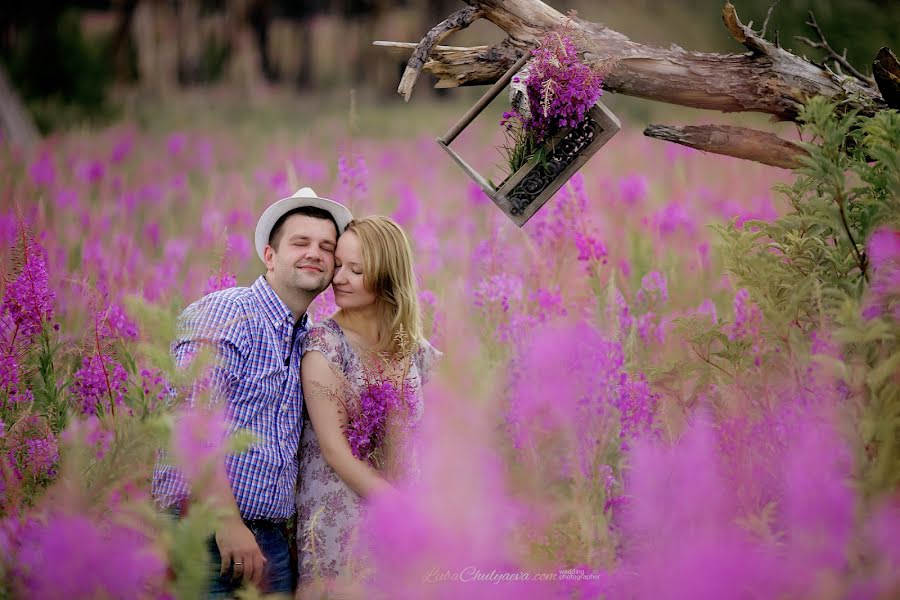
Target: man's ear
x=269 y=254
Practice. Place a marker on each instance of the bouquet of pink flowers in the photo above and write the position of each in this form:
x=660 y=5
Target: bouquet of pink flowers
x=378 y=416
x=553 y=91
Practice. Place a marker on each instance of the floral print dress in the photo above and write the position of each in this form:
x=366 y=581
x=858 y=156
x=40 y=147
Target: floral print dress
x=327 y=510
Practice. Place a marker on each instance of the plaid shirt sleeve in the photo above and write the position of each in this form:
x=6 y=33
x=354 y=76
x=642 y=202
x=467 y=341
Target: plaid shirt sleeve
x=214 y=323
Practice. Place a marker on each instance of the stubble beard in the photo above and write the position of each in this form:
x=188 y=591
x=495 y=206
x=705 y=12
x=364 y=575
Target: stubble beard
x=310 y=285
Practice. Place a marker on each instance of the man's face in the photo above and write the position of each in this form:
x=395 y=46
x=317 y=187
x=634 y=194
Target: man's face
x=304 y=258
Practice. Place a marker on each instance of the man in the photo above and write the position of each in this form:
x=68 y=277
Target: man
x=256 y=333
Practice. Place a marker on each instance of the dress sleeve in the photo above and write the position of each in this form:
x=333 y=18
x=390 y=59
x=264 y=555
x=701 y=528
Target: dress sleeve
x=325 y=339
x=426 y=358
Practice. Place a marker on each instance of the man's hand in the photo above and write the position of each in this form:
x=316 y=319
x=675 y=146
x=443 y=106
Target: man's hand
x=237 y=543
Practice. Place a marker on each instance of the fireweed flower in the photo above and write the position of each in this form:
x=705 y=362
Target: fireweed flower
x=457 y=516
x=99 y=377
x=114 y=322
x=590 y=248
x=41 y=455
x=353 y=176
x=199 y=442
x=155 y=386
x=367 y=420
x=220 y=281
x=9 y=374
x=91 y=433
x=747 y=322
x=28 y=300
x=708 y=308
x=90 y=172
x=633 y=189
x=42 y=171
x=72 y=556
x=561 y=89
x=565 y=380
x=654 y=290
x=884 y=287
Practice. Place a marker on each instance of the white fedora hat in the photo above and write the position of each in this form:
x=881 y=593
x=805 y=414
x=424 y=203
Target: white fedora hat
x=302 y=197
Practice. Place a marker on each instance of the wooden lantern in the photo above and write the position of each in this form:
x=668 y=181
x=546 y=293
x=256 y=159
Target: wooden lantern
x=529 y=188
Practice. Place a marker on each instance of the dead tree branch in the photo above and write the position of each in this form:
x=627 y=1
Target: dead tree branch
x=767 y=79
x=739 y=142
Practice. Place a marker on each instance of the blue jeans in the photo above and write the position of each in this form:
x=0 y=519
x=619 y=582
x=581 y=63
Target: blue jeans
x=278 y=577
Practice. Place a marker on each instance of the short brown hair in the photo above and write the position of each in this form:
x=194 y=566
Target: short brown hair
x=309 y=211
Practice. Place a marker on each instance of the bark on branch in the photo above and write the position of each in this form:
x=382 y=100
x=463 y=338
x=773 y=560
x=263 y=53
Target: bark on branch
x=740 y=142
x=767 y=79
x=458 y=20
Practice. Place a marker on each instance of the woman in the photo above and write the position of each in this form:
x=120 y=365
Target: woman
x=369 y=356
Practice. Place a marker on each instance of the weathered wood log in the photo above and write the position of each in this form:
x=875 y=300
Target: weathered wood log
x=740 y=142
x=767 y=79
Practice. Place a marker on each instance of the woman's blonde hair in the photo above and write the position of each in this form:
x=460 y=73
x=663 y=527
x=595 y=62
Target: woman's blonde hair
x=388 y=273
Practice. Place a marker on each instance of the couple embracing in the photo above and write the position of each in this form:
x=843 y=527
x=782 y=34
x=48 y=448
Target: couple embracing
x=324 y=440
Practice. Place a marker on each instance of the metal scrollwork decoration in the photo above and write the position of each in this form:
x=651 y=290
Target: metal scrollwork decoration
x=563 y=154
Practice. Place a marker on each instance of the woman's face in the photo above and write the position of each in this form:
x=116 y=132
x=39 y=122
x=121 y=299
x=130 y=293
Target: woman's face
x=349 y=291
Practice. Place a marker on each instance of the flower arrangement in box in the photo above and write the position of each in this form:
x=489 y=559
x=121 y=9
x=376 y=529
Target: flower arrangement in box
x=554 y=91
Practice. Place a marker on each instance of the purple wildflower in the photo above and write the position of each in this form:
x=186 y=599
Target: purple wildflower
x=155 y=385
x=654 y=290
x=590 y=248
x=636 y=403
x=747 y=317
x=220 y=281
x=91 y=171
x=41 y=455
x=42 y=171
x=884 y=289
x=73 y=557
x=28 y=299
x=98 y=377
x=9 y=373
x=503 y=289
x=366 y=426
x=561 y=89
x=353 y=175
x=633 y=188
x=117 y=324
x=199 y=442
x=176 y=143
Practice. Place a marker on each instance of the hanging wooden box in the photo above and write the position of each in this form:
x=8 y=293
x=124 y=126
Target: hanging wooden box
x=528 y=189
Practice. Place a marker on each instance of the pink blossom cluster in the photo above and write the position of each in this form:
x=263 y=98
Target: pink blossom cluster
x=100 y=384
x=561 y=89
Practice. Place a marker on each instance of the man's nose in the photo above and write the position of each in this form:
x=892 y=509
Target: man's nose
x=313 y=252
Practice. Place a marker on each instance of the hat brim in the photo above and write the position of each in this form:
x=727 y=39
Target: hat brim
x=278 y=209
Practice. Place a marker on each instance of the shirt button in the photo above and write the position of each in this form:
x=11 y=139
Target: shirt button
x=284 y=407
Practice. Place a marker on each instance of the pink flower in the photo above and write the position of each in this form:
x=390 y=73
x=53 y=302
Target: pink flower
x=28 y=300
x=42 y=171
x=199 y=442
x=65 y=556
x=99 y=377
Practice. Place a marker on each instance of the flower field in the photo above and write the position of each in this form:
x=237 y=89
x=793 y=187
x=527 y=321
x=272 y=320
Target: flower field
x=680 y=379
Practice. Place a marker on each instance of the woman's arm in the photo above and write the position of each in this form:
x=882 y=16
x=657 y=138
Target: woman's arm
x=328 y=420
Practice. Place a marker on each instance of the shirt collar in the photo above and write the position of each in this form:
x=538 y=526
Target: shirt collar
x=275 y=308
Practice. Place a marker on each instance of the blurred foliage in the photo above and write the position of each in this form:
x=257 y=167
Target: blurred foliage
x=62 y=75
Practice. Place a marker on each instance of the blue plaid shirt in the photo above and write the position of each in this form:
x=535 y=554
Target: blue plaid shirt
x=258 y=375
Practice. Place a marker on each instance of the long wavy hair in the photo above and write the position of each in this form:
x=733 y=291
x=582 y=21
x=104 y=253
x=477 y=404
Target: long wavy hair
x=388 y=273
